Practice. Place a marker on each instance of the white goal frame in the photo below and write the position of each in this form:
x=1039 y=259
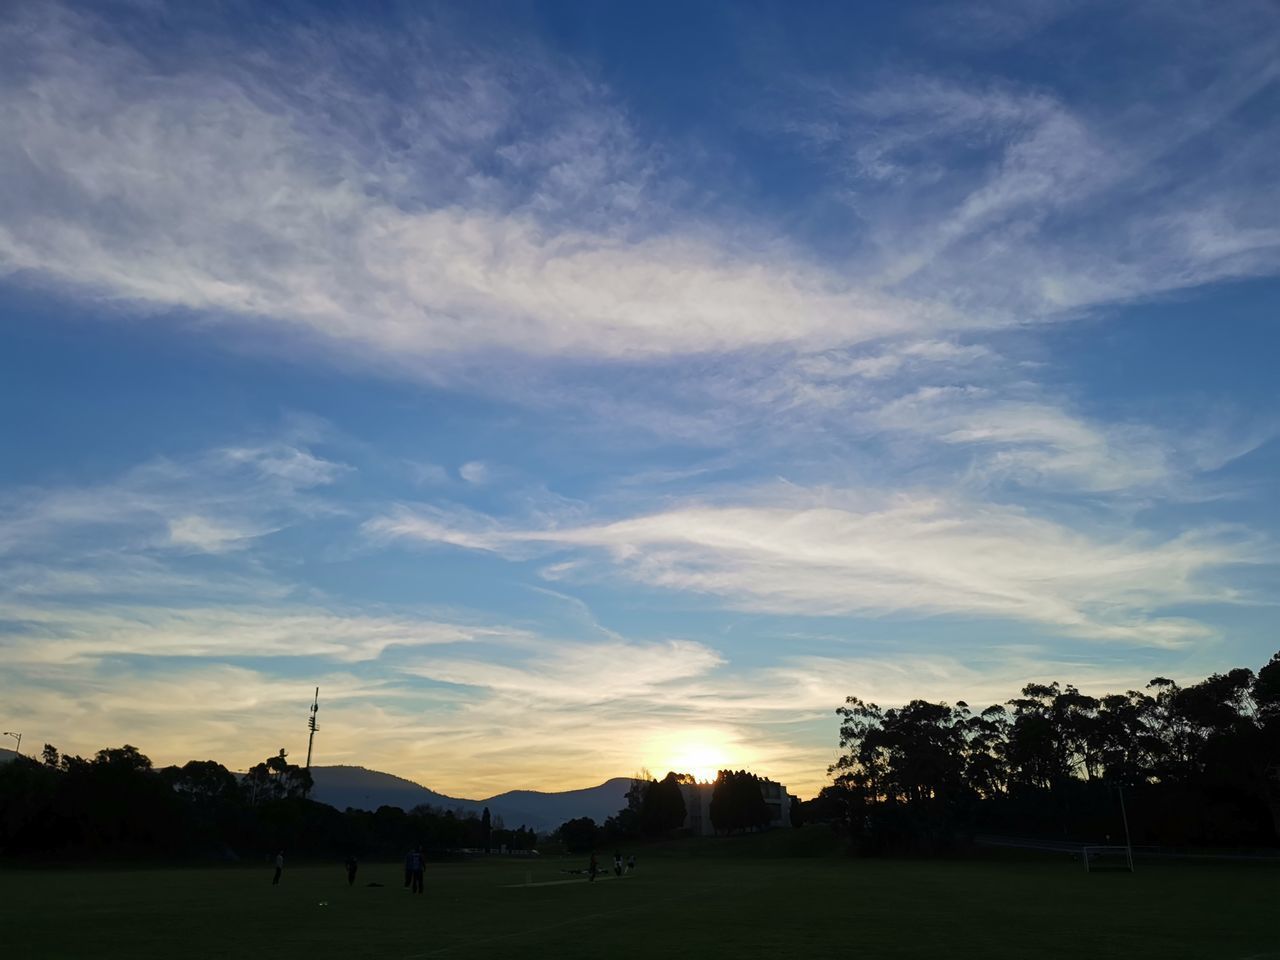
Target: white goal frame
x=1088 y=853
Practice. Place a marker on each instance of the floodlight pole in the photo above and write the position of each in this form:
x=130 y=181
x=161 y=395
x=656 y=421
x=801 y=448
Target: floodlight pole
x=18 y=737
x=311 y=725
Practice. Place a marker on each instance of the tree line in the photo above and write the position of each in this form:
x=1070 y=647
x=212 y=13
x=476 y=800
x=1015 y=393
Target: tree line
x=117 y=804
x=656 y=809
x=1197 y=765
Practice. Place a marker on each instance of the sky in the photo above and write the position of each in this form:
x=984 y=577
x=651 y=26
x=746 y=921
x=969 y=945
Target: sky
x=567 y=389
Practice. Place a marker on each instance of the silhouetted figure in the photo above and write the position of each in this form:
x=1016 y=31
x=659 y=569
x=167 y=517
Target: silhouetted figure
x=352 y=866
x=631 y=863
x=408 y=869
x=416 y=865
x=275 y=881
x=617 y=863
x=593 y=867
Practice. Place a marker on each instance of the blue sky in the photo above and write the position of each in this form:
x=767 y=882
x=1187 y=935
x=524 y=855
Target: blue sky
x=571 y=388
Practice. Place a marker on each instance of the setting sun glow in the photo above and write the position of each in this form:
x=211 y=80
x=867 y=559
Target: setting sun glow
x=703 y=758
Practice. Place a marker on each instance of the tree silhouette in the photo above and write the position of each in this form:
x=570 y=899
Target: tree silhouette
x=276 y=779
x=737 y=802
x=1203 y=761
x=578 y=835
x=662 y=809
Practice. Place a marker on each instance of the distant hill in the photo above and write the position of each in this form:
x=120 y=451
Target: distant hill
x=7 y=754
x=363 y=789
x=552 y=809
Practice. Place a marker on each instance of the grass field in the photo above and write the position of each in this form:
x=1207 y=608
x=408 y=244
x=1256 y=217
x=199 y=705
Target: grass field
x=708 y=898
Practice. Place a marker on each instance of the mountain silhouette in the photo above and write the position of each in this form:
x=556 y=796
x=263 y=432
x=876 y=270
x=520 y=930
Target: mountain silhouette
x=342 y=787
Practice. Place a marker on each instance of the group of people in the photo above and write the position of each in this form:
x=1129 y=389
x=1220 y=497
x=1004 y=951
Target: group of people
x=415 y=863
x=594 y=867
x=413 y=868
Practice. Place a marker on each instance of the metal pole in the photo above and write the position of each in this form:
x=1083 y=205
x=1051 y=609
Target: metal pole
x=18 y=736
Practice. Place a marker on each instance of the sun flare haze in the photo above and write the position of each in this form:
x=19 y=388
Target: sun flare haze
x=698 y=754
x=570 y=389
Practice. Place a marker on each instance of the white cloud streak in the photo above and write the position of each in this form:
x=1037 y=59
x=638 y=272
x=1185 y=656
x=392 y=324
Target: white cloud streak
x=56 y=634
x=1034 y=442
x=603 y=672
x=827 y=553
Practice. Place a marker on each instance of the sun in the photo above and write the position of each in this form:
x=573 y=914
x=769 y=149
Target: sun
x=701 y=758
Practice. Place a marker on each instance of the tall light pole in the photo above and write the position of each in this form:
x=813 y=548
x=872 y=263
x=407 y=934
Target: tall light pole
x=18 y=737
x=311 y=725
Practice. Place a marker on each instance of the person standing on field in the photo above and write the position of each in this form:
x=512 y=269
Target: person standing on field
x=352 y=866
x=416 y=866
x=275 y=881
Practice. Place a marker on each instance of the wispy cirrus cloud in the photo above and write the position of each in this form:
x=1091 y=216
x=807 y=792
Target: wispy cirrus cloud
x=614 y=671
x=478 y=209
x=468 y=223
x=214 y=189
x=826 y=553
x=949 y=414
x=61 y=634
x=992 y=195
x=214 y=501
x=1035 y=442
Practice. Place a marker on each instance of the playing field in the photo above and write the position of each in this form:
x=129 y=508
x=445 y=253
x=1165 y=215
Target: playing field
x=697 y=900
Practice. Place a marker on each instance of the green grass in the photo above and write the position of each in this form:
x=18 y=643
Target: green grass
x=749 y=896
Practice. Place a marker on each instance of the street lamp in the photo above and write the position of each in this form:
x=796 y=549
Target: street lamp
x=18 y=737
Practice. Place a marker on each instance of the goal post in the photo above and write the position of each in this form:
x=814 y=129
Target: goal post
x=1107 y=858
x=1111 y=857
